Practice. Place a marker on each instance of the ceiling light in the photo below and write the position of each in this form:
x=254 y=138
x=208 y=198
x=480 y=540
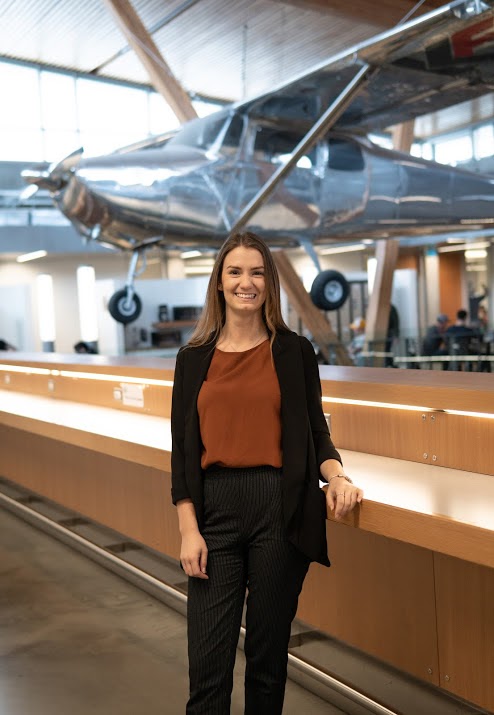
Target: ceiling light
x=190 y=254
x=463 y=247
x=198 y=270
x=31 y=256
x=341 y=249
x=479 y=253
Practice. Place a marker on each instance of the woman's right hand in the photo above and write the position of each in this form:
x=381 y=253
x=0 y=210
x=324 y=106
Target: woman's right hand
x=194 y=554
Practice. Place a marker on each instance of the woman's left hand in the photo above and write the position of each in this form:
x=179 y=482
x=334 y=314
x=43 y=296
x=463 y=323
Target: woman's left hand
x=341 y=497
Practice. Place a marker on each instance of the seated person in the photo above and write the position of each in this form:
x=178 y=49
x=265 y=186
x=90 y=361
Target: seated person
x=458 y=337
x=434 y=338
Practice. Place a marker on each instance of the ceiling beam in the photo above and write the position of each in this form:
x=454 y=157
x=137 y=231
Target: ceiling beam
x=159 y=72
x=403 y=135
x=385 y=13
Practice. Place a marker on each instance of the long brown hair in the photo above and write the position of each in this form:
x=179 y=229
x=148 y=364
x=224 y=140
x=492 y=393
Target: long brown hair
x=213 y=315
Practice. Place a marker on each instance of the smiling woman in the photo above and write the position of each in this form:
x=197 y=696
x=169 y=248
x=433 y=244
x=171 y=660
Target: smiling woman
x=249 y=445
x=243 y=287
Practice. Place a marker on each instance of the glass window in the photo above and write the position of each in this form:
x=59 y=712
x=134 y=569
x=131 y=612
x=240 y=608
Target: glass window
x=19 y=90
x=58 y=105
x=59 y=144
x=381 y=140
x=21 y=145
x=428 y=151
x=161 y=116
x=109 y=107
x=274 y=145
x=233 y=135
x=203 y=109
x=99 y=143
x=454 y=150
x=483 y=141
x=422 y=149
x=200 y=133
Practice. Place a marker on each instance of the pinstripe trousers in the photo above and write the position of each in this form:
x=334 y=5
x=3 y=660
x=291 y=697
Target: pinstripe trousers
x=248 y=549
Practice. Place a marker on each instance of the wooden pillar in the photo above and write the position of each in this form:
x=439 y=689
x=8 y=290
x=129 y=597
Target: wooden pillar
x=377 y=317
x=159 y=72
x=403 y=135
x=312 y=317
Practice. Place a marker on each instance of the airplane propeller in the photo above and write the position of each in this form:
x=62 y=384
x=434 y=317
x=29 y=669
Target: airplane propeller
x=54 y=178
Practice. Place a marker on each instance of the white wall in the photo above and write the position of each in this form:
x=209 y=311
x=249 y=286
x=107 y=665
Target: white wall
x=15 y=276
x=153 y=293
x=16 y=316
x=404 y=296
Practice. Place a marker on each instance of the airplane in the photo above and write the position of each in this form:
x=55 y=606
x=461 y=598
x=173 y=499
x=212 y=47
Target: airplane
x=295 y=164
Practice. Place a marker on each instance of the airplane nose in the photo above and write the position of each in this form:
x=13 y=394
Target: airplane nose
x=41 y=178
x=56 y=176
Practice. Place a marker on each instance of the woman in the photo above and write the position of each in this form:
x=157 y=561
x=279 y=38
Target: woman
x=250 y=442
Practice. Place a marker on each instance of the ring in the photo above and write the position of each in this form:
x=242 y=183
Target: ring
x=341 y=494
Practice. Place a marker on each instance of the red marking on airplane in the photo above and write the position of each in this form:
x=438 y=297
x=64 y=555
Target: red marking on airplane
x=469 y=41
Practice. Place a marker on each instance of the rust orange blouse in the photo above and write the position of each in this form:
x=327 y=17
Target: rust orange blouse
x=239 y=410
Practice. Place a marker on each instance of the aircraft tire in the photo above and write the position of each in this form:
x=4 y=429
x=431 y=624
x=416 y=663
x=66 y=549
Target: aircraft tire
x=118 y=310
x=330 y=290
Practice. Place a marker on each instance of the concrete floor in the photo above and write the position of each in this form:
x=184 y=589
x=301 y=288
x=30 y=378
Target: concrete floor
x=76 y=639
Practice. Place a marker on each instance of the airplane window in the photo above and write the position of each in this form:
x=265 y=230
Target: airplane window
x=275 y=146
x=345 y=156
x=234 y=132
x=200 y=133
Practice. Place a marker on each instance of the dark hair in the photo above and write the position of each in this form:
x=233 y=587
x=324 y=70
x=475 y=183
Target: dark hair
x=83 y=347
x=461 y=314
x=214 y=313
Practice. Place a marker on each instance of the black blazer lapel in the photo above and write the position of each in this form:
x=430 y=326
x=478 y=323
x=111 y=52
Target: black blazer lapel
x=294 y=420
x=196 y=365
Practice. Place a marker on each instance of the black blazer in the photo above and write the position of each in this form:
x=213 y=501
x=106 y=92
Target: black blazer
x=306 y=442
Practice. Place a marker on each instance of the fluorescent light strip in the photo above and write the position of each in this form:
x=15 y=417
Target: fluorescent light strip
x=114 y=378
x=31 y=256
x=412 y=408
x=190 y=254
x=485 y=415
x=341 y=249
x=85 y=375
x=26 y=370
x=464 y=247
x=385 y=405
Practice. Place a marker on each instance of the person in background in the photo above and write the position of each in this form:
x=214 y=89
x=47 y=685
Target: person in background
x=393 y=333
x=357 y=343
x=434 y=342
x=4 y=345
x=84 y=348
x=481 y=324
x=458 y=338
x=249 y=445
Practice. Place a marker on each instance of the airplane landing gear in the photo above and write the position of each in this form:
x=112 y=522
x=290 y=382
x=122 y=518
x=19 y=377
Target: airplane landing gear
x=125 y=305
x=124 y=308
x=329 y=290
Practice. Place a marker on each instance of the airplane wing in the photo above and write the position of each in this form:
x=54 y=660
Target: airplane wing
x=438 y=60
